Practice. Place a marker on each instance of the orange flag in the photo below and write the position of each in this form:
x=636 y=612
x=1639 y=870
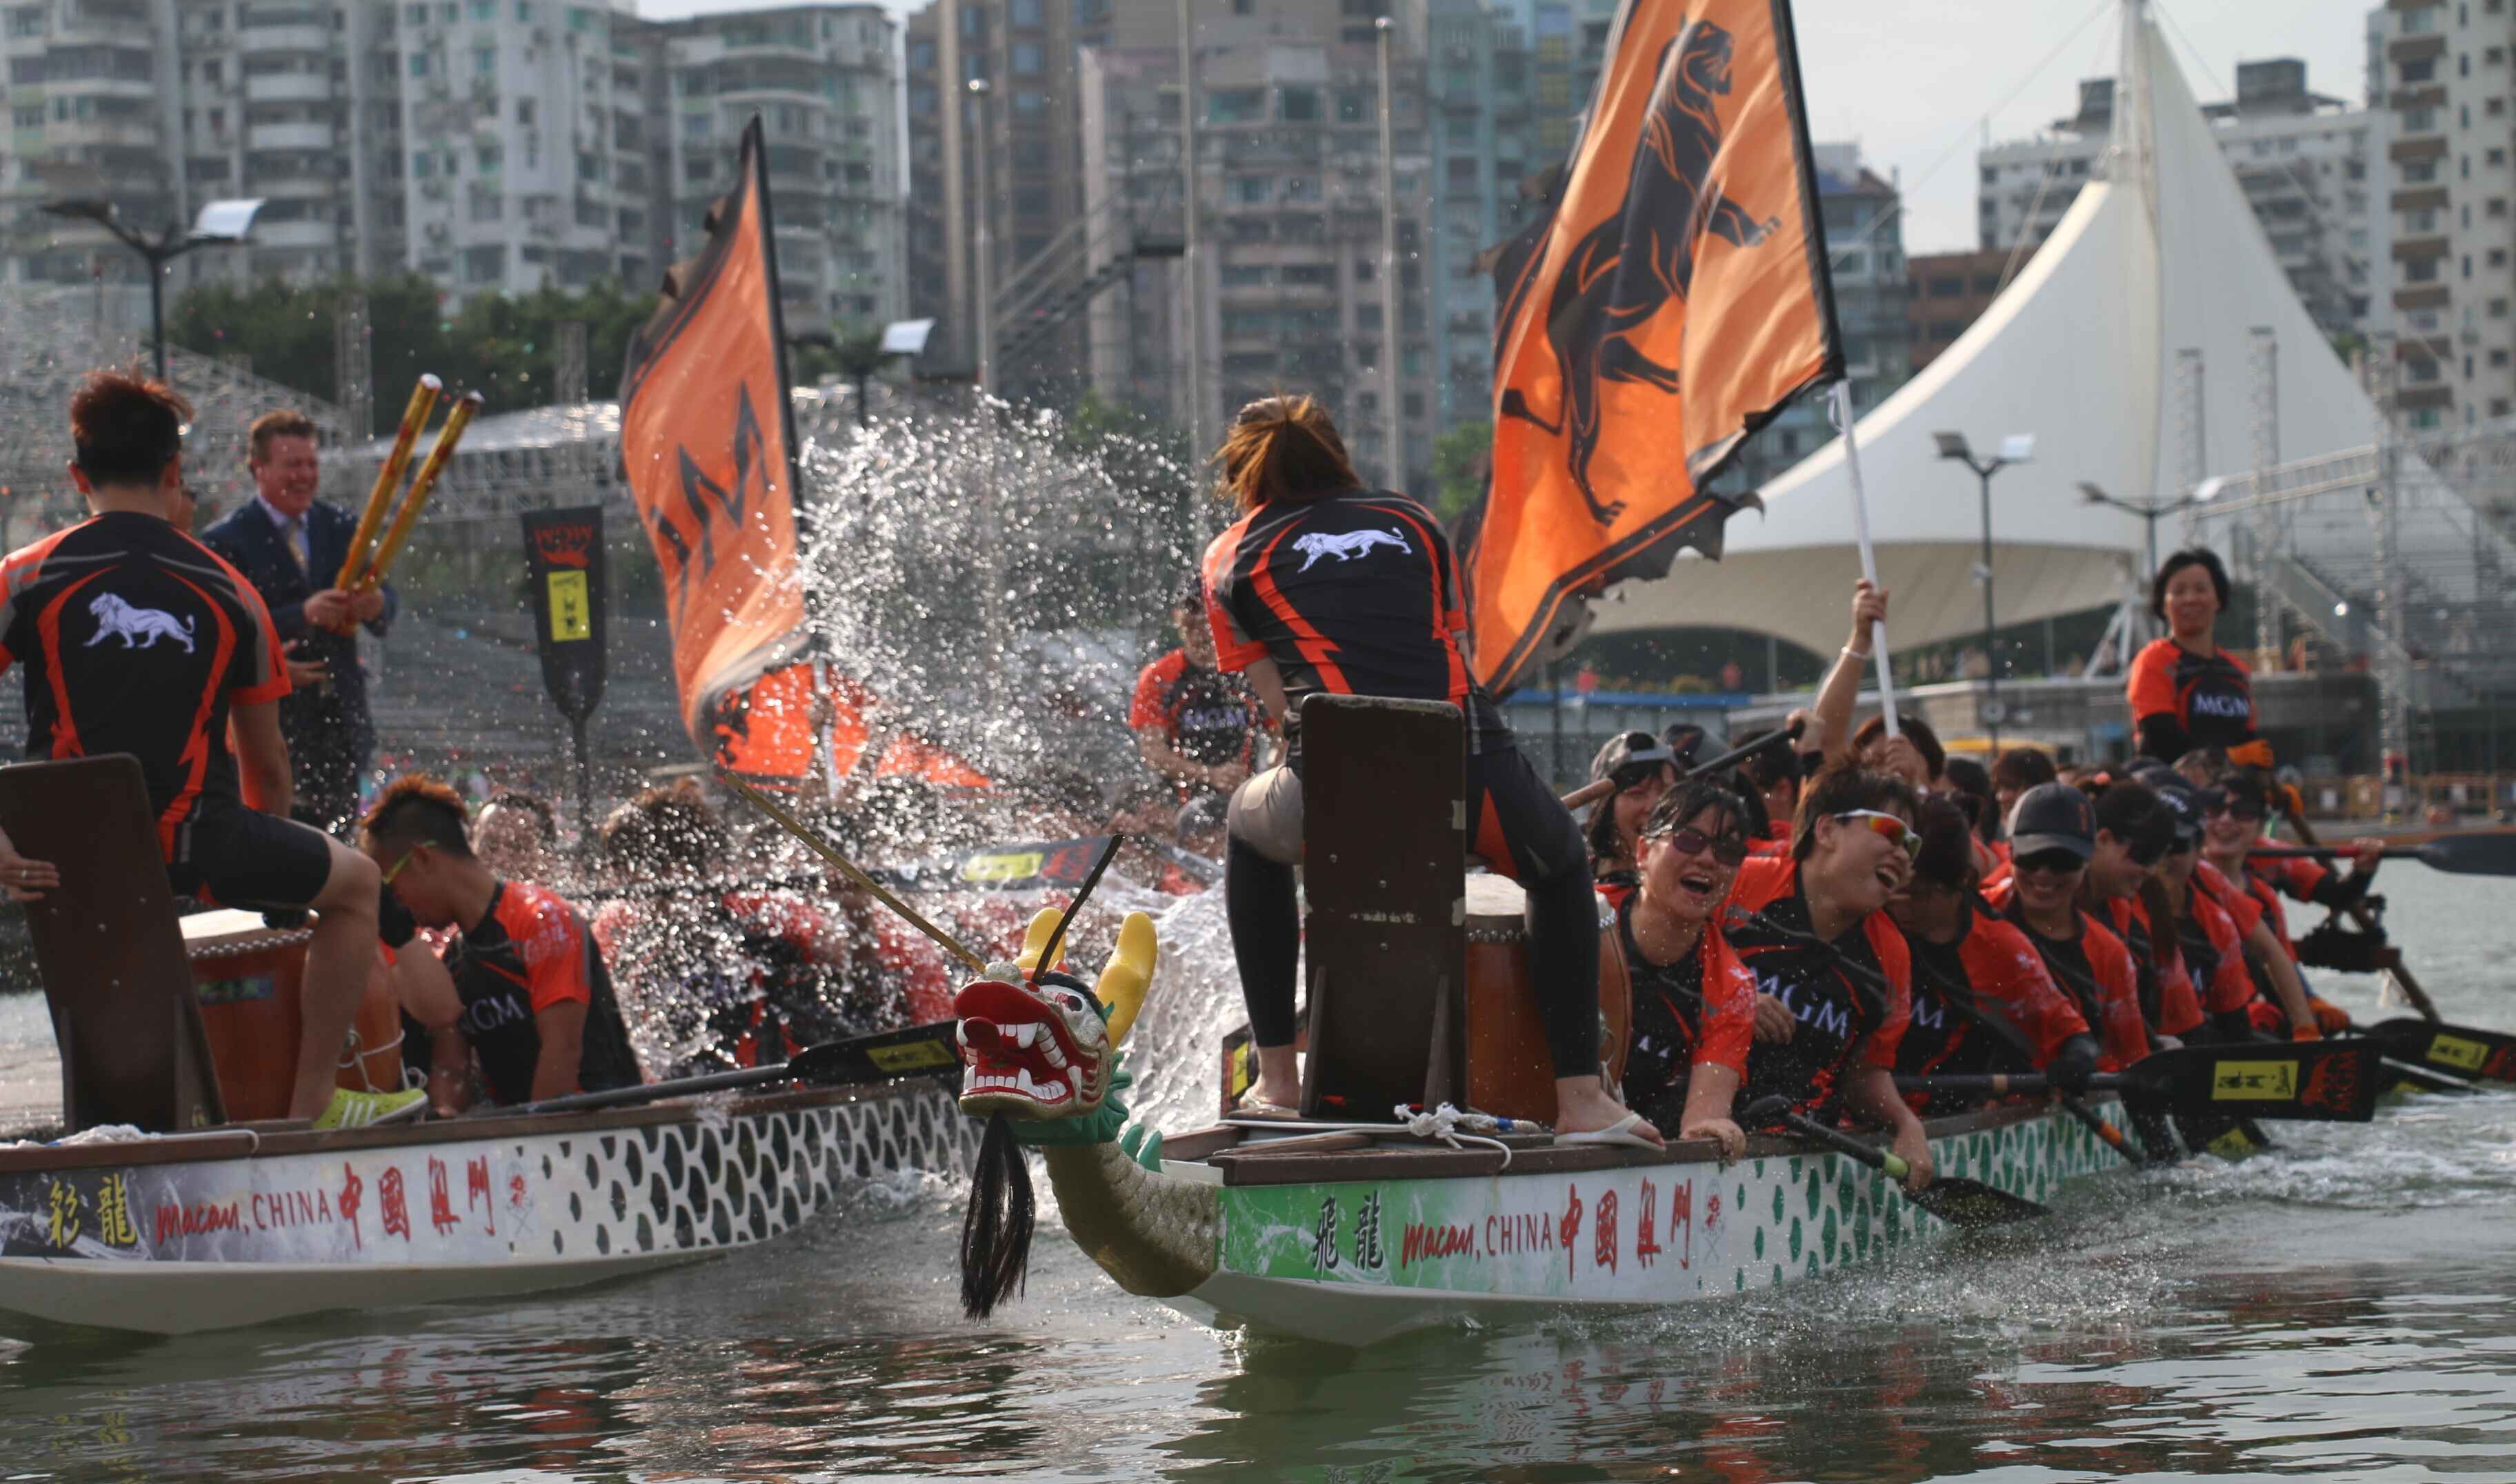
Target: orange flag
x=707 y=438
x=1672 y=301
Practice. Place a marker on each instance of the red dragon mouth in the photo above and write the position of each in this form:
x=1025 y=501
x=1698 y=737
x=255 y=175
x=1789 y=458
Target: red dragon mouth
x=1018 y=1054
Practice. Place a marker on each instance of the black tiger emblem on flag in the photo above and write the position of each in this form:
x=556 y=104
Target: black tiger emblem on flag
x=1642 y=257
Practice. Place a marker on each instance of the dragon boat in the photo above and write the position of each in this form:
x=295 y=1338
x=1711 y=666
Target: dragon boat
x=180 y=1201
x=1347 y=1227
x=1350 y=1235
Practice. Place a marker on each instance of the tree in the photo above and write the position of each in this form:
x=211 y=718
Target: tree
x=505 y=346
x=1462 y=464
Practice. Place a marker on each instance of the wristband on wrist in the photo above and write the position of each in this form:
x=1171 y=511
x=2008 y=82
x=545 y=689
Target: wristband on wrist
x=1857 y=654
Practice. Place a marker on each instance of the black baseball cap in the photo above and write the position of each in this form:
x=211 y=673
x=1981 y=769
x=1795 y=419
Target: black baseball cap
x=1627 y=750
x=2052 y=816
x=2183 y=805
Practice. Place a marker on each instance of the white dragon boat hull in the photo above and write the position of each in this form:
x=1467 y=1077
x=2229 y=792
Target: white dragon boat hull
x=233 y=1227
x=1287 y=1246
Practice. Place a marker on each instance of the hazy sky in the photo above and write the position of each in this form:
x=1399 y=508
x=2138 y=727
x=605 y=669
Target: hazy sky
x=1913 y=80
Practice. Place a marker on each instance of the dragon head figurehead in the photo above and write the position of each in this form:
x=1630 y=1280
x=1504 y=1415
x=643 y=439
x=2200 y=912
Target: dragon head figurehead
x=1040 y=1063
x=1036 y=1050
x=1036 y=1044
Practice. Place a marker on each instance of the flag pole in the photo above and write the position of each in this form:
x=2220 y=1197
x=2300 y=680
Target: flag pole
x=1841 y=408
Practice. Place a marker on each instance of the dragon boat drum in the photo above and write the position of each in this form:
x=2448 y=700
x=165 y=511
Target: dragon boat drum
x=1508 y=1069
x=250 y=981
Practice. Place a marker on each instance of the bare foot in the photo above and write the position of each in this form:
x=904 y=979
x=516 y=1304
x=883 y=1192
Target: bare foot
x=1583 y=1106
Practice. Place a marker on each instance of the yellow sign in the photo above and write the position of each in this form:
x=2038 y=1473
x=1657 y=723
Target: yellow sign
x=1002 y=868
x=909 y=1057
x=2254 y=1082
x=2457 y=1051
x=572 y=616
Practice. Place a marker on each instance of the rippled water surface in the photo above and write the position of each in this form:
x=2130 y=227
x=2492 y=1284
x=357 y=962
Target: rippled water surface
x=2342 y=1309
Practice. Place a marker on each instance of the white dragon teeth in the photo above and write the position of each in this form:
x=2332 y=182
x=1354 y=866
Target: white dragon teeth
x=1025 y=1032
x=1048 y=1050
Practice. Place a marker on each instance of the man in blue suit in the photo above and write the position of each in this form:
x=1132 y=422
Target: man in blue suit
x=290 y=546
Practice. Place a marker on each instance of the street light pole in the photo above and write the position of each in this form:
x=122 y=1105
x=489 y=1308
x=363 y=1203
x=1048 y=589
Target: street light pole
x=984 y=279
x=221 y=224
x=2150 y=514
x=2017 y=448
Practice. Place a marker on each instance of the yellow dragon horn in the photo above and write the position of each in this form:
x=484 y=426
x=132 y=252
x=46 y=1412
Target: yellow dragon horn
x=1130 y=973
x=1035 y=937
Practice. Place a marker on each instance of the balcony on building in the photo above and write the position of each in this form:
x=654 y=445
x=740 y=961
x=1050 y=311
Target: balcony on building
x=302 y=28
x=289 y=87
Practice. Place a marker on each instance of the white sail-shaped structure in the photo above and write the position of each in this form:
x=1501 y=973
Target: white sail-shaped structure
x=2161 y=255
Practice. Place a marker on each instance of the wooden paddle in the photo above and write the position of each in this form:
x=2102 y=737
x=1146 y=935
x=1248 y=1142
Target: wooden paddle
x=2479 y=852
x=1957 y=1202
x=879 y=1057
x=2332 y=1081
x=2462 y=1050
x=2113 y=1139
x=2365 y=916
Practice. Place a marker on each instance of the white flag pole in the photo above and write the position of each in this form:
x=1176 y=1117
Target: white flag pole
x=1840 y=404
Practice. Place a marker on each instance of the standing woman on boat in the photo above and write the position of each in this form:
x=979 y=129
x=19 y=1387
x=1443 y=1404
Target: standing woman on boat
x=2185 y=690
x=1813 y=929
x=1381 y=617
x=1983 y=1001
x=1693 y=1001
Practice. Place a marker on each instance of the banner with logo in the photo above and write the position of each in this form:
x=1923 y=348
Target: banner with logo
x=564 y=572
x=707 y=443
x=1671 y=300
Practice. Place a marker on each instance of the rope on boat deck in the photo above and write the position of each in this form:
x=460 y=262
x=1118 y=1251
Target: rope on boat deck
x=1443 y=1123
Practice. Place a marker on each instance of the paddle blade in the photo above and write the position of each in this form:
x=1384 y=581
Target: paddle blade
x=2462 y=1050
x=2485 y=853
x=917 y=1051
x=2332 y=1081
x=1971 y=1202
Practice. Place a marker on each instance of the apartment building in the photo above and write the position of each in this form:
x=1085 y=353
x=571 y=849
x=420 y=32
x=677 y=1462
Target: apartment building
x=1946 y=293
x=497 y=146
x=2441 y=73
x=2310 y=166
x=1289 y=153
x=824 y=80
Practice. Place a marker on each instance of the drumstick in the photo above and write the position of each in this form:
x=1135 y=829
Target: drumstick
x=420 y=485
x=1591 y=793
x=414 y=417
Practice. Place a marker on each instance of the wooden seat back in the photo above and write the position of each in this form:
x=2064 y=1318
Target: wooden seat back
x=1384 y=833
x=105 y=940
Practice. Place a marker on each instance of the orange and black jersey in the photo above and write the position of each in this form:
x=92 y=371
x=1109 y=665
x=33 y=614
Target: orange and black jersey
x=1983 y=1003
x=2181 y=700
x=137 y=638
x=1700 y=1008
x=2169 y=999
x=528 y=952
x=2094 y=971
x=1352 y=592
x=1850 y=996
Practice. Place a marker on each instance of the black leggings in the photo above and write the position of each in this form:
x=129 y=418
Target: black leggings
x=1523 y=831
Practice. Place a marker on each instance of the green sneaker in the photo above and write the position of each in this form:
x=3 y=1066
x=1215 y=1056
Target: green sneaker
x=356 y=1110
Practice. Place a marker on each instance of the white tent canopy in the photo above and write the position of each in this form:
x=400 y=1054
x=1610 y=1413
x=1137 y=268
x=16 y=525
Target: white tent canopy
x=2160 y=256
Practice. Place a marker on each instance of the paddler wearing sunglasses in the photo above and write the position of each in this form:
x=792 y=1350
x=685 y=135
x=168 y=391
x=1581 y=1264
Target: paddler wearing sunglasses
x=1694 y=1002
x=2133 y=830
x=1983 y=1000
x=2053 y=833
x=2232 y=814
x=1813 y=929
x=2218 y=926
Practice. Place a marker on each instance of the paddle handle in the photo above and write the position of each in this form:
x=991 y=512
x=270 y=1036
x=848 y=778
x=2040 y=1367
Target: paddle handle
x=1844 y=1143
x=2328 y=852
x=2112 y=1136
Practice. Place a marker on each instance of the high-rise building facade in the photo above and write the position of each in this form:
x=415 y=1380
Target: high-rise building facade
x=824 y=80
x=2444 y=76
x=1293 y=295
x=2310 y=166
x=1946 y=293
x=497 y=146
